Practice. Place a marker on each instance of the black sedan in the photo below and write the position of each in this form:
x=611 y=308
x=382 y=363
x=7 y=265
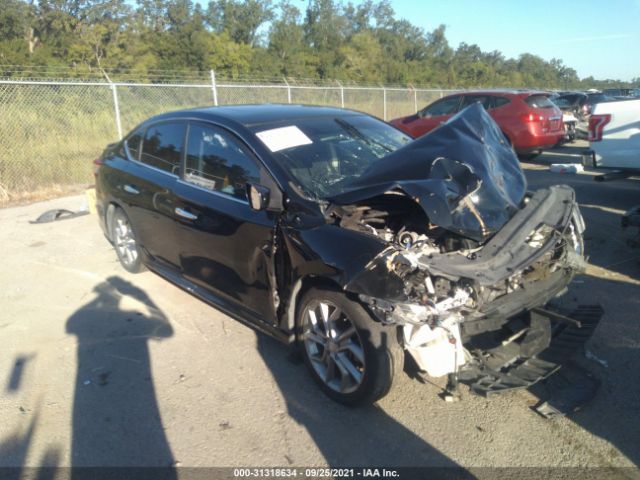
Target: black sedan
x=334 y=230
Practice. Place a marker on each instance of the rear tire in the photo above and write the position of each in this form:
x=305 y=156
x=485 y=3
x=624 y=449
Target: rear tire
x=351 y=356
x=125 y=242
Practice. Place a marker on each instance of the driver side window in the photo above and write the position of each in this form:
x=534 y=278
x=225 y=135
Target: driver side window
x=218 y=161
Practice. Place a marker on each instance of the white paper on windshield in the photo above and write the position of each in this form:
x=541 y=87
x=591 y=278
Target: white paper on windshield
x=282 y=138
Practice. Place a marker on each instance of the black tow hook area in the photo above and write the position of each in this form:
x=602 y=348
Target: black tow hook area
x=569 y=391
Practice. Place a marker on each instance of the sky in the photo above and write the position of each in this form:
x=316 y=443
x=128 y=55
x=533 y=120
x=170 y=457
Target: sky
x=599 y=38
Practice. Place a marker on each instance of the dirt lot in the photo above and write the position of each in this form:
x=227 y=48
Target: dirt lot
x=100 y=367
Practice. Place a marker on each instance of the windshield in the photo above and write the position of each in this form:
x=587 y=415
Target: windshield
x=325 y=154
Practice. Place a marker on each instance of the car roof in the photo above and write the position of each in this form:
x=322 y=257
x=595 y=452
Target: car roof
x=521 y=92
x=259 y=114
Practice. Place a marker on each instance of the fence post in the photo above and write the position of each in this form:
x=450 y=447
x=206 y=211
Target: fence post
x=116 y=104
x=214 y=90
x=415 y=98
x=341 y=93
x=384 y=103
x=288 y=89
x=116 y=107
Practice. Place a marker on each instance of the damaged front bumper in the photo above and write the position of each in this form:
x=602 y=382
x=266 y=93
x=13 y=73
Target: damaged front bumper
x=477 y=314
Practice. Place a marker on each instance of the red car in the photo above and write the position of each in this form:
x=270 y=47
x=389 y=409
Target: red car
x=529 y=120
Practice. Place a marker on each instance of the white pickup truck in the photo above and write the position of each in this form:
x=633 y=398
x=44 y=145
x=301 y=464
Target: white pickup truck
x=614 y=136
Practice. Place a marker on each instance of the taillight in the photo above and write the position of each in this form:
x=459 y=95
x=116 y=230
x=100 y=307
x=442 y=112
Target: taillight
x=97 y=163
x=596 y=126
x=532 y=117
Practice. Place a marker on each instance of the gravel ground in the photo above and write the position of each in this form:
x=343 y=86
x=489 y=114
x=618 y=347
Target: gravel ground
x=100 y=367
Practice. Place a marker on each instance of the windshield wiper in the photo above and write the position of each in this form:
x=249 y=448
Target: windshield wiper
x=358 y=134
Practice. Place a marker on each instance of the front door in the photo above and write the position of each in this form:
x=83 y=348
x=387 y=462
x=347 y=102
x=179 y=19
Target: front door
x=223 y=244
x=433 y=116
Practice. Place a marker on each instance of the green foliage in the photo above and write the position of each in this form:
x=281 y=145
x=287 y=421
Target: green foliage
x=350 y=42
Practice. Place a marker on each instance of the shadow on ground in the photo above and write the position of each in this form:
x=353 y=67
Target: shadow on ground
x=363 y=436
x=614 y=283
x=116 y=421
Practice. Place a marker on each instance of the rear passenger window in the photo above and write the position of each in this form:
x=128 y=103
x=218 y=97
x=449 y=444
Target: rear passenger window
x=162 y=146
x=500 y=101
x=217 y=161
x=484 y=100
x=133 y=144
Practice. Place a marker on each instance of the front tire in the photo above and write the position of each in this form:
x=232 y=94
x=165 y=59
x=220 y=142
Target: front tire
x=125 y=243
x=351 y=356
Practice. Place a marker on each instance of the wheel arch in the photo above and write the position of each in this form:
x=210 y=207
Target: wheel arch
x=300 y=287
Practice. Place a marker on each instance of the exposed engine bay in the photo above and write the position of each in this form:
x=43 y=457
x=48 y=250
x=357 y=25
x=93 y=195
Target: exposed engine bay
x=471 y=258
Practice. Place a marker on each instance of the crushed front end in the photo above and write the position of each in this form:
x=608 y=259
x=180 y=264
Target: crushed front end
x=481 y=311
x=473 y=262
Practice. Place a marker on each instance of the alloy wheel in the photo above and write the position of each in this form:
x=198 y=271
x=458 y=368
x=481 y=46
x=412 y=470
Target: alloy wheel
x=333 y=346
x=125 y=241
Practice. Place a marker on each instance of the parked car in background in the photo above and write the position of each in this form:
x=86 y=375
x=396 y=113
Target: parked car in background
x=573 y=102
x=622 y=93
x=614 y=136
x=594 y=98
x=332 y=229
x=529 y=120
x=579 y=104
x=569 y=115
x=570 y=125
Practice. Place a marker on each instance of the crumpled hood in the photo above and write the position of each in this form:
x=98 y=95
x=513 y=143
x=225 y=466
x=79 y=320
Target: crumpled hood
x=463 y=174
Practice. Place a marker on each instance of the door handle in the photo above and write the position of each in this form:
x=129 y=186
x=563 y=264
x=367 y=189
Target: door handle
x=185 y=214
x=130 y=189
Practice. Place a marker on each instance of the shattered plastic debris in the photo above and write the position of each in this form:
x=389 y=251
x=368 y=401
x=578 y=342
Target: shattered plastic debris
x=566 y=168
x=569 y=391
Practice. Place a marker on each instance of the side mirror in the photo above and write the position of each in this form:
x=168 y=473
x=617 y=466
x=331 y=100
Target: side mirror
x=258 y=196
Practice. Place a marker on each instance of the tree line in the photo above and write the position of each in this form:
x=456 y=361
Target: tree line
x=353 y=43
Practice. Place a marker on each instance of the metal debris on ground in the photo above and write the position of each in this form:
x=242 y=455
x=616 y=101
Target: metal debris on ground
x=59 y=214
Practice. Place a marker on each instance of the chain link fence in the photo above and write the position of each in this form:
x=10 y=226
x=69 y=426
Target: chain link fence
x=50 y=131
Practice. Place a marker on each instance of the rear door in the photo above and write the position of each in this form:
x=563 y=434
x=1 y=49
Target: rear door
x=485 y=101
x=492 y=103
x=146 y=182
x=433 y=116
x=224 y=245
